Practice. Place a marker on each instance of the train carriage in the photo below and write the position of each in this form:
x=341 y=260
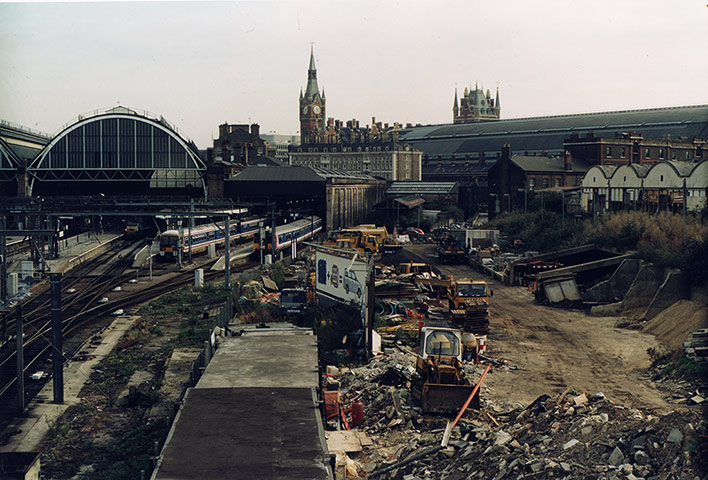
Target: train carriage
x=240 y=232
x=297 y=231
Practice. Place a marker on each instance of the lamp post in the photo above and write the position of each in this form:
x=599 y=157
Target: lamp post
x=420 y=204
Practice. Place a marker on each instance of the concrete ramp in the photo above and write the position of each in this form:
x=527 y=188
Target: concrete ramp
x=672 y=290
x=644 y=288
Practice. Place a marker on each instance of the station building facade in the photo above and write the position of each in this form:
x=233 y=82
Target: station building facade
x=662 y=186
x=342 y=199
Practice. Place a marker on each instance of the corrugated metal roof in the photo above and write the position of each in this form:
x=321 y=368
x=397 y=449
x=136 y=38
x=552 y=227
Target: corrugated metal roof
x=422 y=188
x=293 y=174
x=540 y=134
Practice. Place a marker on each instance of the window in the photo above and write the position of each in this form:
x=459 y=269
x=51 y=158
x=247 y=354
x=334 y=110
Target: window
x=647 y=153
x=532 y=182
x=661 y=153
x=545 y=183
x=622 y=152
x=661 y=179
x=558 y=182
x=608 y=152
x=673 y=155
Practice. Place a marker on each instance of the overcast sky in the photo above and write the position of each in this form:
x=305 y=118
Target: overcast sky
x=201 y=64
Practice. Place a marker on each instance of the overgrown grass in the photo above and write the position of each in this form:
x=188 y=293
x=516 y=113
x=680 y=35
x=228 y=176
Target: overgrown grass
x=185 y=301
x=664 y=239
x=676 y=365
x=128 y=456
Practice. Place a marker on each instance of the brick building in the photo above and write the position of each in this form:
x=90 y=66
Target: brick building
x=347 y=147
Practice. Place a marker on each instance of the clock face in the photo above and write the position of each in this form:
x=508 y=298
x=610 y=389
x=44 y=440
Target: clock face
x=304 y=109
x=317 y=109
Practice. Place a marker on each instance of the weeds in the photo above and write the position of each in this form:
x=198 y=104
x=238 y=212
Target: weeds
x=130 y=455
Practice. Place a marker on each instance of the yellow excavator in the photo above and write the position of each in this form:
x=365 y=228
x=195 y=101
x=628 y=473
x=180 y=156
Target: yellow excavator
x=440 y=383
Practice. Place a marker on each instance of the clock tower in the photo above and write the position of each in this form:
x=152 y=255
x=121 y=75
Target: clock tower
x=312 y=107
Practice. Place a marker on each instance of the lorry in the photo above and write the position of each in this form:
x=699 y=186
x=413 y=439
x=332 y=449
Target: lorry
x=452 y=247
x=440 y=384
x=293 y=301
x=468 y=302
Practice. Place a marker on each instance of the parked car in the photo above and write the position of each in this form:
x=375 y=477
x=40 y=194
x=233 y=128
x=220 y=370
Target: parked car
x=415 y=234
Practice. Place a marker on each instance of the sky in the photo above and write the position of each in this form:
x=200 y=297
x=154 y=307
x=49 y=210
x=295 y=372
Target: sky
x=201 y=64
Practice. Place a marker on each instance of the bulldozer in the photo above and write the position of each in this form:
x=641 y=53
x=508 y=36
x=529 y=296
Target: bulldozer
x=440 y=384
x=468 y=302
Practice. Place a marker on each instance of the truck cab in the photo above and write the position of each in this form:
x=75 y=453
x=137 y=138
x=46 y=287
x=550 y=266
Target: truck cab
x=293 y=301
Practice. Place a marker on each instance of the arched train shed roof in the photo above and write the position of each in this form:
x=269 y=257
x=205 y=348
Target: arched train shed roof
x=120 y=145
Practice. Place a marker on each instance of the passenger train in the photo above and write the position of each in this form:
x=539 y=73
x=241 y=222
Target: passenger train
x=242 y=233
x=297 y=231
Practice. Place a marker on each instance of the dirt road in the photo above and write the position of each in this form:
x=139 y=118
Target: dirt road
x=556 y=348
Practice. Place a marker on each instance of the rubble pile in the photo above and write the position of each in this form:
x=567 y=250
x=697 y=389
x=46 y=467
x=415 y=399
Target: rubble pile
x=570 y=436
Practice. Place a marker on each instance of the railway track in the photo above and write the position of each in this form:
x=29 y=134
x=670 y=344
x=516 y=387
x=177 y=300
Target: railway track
x=82 y=317
x=79 y=294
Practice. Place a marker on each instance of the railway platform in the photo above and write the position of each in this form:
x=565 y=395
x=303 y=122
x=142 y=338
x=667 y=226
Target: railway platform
x=72 y=251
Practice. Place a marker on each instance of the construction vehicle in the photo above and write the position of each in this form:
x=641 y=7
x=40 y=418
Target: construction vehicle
x=386 y=243
x=354 y=240
x=440 y=384
x=451 y=248
x=422 y=274
x=468 y=302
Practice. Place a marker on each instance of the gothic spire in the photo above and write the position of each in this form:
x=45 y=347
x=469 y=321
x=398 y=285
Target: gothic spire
x=454 y=105
x=312 y=89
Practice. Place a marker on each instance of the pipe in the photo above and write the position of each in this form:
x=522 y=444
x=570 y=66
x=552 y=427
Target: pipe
x=469 y=399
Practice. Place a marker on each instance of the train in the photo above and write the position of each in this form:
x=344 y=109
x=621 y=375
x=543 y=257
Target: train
x=244 y=232
x=297 y=231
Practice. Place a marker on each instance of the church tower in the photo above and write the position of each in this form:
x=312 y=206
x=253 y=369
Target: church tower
x=312 y=107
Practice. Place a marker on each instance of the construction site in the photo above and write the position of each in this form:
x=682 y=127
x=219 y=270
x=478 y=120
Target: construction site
x=363 y=356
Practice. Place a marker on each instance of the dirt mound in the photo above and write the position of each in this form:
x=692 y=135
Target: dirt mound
x=674 y=325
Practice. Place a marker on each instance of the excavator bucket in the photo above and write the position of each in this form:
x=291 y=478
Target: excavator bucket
x=441 y=398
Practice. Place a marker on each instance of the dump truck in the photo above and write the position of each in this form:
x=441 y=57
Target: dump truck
x=440 y=384
x=468 y=302
x=451 y=248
